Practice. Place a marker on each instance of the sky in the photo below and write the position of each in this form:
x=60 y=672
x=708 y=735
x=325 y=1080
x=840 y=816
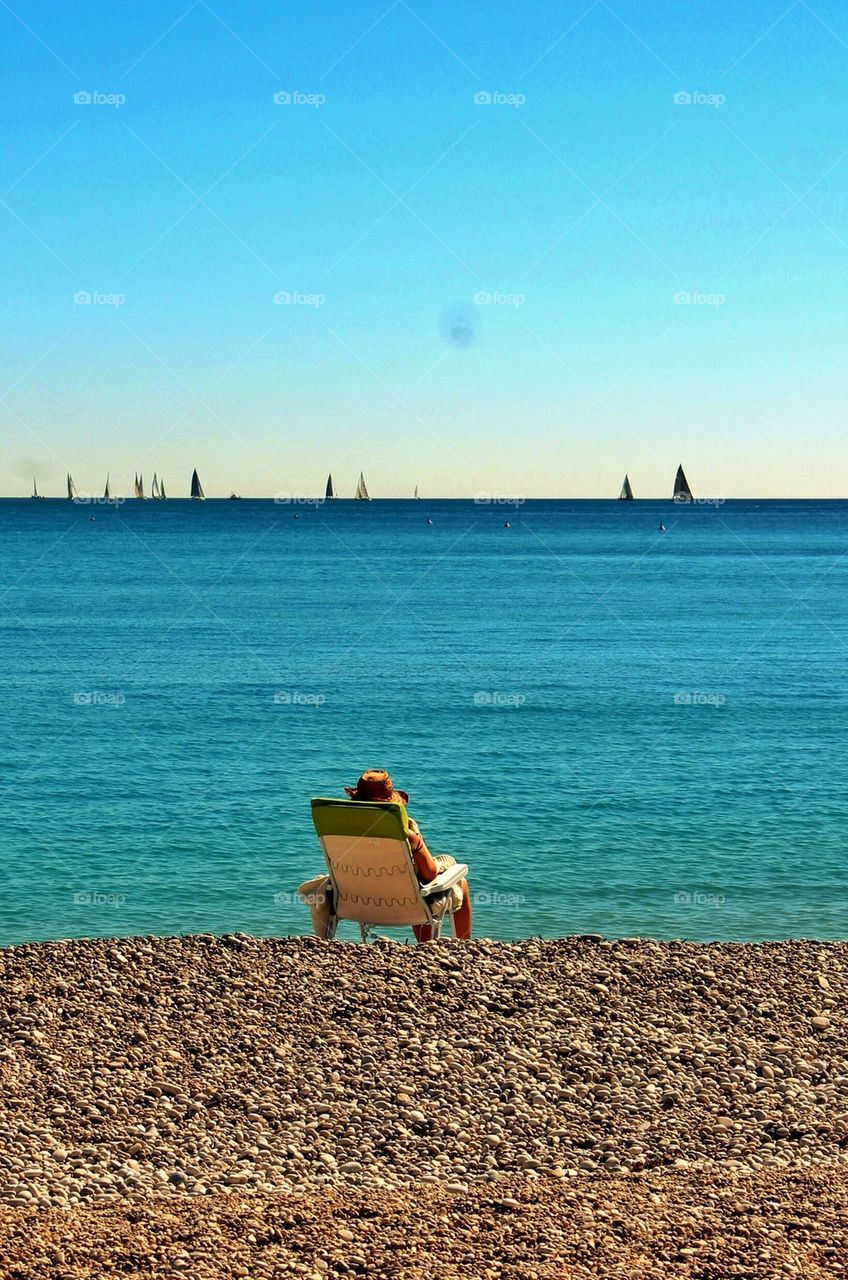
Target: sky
x=484 y=249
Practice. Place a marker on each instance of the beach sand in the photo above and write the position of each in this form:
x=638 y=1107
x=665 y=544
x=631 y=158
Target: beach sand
x=229 y=1106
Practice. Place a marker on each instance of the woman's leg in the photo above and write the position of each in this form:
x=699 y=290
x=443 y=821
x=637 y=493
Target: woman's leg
x=461 y=918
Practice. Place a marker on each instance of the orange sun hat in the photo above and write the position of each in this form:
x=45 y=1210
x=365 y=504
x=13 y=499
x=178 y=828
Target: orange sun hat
x=376 y=785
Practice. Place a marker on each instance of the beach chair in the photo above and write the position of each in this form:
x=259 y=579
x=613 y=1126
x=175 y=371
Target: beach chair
x=372 y=872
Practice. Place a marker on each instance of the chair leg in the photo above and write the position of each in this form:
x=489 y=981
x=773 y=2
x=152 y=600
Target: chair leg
x=332 y=926
x=363 y=931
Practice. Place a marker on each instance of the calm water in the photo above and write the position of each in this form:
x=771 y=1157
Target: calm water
x=632 y=732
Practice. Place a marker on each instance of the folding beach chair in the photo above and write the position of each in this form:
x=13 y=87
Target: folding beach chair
x=372 y=872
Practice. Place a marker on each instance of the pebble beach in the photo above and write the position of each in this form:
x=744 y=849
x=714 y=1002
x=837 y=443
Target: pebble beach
x=242 y=1106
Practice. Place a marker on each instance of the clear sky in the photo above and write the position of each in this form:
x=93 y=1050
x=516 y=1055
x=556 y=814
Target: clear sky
x=580 y=205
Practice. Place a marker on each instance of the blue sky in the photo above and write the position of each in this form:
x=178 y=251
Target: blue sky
x=641 y=237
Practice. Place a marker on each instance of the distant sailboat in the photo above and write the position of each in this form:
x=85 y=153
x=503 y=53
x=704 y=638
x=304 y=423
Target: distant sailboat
x=415 y=494
x=361 y=490
x=107 y=496
x=138 y=487
x=72 y=489
x=682 y=492
x=154 y=488
x=626 y=494
x=235 y=497
x=162 y=494
x=197 y=488
x=35 y=493
x=330 y=492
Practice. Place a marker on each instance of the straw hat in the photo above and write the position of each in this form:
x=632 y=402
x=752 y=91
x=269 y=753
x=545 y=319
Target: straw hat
x=376 y=785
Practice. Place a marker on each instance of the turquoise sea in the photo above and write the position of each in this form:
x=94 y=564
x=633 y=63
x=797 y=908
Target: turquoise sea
x=623 y=731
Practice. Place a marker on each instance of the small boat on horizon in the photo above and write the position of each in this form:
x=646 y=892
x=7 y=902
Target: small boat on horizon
x=138 y=487
x=197 y=488
x=626 y=494
x=361 y=490
x=162 y=494
x=234 y=497
x=107 y=494
x=682 y=492
x=73 y=496
x=416 y=493
x=157 y=490
x=329 y=492
x=35 y=494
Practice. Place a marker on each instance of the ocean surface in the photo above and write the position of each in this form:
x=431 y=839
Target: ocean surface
x=623 y=731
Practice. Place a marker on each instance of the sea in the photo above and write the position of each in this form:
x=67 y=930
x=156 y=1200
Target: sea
x=622 y=729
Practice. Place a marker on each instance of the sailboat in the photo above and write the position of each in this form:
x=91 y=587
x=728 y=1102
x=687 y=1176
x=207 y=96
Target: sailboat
x=107 y=496
x=35 y=493
x=162 y=494
x=330 y=492
x=138 y=487
x=626 y=494
x=154 y=488
x=682 y=492
x=361 y=490
x=72 y=489
x=235 y=497
x=415 y=494
x=197 y=488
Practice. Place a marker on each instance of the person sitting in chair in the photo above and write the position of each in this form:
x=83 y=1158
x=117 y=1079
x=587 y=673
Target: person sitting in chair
x=375 y=785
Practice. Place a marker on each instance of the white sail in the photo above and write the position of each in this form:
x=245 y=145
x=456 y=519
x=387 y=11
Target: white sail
x=35 y=492
x=139 y=486
x=415 y=494
x=330 y=492
x=626 y=491
x=154 y=489
x=106 y=494
x=162 y=494
x=361 y=489
x=72 y=489
x=196 y=487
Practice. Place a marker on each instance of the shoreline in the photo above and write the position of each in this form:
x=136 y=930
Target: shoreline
x=156 y=1074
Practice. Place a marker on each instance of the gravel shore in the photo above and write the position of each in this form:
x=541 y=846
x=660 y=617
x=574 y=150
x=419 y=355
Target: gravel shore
x=268 y=1071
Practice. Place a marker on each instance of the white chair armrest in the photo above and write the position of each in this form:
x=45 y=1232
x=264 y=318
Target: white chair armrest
x=445 y=880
